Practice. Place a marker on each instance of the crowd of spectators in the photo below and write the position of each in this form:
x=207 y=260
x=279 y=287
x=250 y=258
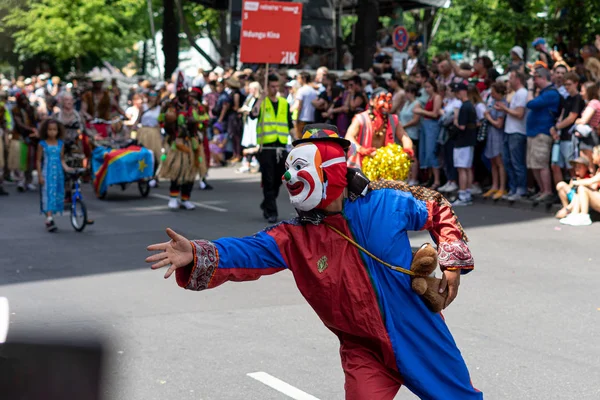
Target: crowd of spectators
x=522 y=134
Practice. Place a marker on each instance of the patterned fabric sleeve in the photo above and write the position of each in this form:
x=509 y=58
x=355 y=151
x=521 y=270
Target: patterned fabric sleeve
x=434 y=213
x=231 y=259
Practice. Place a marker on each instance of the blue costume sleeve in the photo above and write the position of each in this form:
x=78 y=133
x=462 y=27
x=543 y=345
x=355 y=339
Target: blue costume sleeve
x=231 y=259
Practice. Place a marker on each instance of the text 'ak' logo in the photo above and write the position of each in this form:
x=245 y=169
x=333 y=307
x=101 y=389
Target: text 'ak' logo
x=289 y=57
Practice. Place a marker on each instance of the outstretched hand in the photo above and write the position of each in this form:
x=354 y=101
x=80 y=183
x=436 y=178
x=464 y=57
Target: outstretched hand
x=177 y=253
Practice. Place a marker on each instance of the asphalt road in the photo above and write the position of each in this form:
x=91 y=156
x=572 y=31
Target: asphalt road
x=527 y=320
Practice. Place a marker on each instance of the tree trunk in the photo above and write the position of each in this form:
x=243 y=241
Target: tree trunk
x=226 y=48
x=144 y=58
x=521 y=32
x=170 y=40
x=190 y=37
x=366 y=33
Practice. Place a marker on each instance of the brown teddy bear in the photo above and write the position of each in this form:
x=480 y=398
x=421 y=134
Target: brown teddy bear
x=423 y=264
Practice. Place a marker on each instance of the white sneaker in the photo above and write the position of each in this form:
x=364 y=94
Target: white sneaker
x=31 y=187
x=449 y=187
x=462 y=202
x=476 y=190
x=201 y=184
x=514 y=197
x=243 y=170
x=443 y=187
x=188 y=205
x=413 y=182
x=152 y=183
x=577 y=220
x=254 y=163
x=173 y=204
x=508 y=195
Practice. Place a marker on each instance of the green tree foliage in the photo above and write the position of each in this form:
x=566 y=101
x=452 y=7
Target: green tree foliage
x=497 y=25
x=202 y=20
x=72 y=29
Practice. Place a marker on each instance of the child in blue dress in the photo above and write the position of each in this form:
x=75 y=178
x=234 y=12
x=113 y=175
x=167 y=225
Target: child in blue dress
x=50 y=167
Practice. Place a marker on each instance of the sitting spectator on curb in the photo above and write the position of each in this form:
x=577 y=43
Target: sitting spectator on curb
x=567 y=192
x=587 y=196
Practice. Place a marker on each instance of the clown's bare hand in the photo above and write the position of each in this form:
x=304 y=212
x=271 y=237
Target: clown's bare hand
x=451 y=280
x=177 y=253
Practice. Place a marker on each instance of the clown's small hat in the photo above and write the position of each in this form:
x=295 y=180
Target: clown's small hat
x=322 y=132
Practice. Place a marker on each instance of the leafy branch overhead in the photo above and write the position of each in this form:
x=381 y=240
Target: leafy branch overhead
x=497 y=25
x=71 y=29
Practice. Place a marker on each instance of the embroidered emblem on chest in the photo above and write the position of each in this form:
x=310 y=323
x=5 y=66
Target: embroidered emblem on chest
x=322 y=264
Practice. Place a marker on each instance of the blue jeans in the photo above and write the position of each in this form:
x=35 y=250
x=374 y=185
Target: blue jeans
x=515 y=150
x=451 y=173
x=430 y=130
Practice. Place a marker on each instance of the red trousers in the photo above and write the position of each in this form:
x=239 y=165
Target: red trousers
x=366 y=376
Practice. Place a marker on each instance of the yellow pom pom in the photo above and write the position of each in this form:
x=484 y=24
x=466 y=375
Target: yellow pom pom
x=389 y=163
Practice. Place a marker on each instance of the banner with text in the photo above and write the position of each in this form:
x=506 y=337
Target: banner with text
x=270 y=32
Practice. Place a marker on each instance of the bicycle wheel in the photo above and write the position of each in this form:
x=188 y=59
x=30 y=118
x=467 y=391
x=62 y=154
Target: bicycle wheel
x=78 y=215
x=144 y=187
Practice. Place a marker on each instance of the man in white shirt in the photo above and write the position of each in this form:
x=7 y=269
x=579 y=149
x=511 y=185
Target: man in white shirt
x=515 y=140
x=304 y=97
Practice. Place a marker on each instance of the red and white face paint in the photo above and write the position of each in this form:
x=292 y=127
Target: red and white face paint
x=305 y=178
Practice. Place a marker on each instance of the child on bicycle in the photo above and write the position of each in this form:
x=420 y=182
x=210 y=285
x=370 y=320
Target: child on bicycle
x=50 y=167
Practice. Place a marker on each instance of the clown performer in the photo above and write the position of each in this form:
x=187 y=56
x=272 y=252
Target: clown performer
x=376 y=128
x=338 y=250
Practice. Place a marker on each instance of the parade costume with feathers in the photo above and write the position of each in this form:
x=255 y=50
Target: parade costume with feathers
x=388 y=336
x=185 y=156
x=376 y=121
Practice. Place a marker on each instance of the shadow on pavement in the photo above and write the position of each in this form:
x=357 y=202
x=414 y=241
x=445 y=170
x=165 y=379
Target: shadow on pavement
x=117 y=241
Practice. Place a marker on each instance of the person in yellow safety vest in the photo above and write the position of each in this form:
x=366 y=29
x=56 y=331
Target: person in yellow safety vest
x=6 y=125
x=273 y=130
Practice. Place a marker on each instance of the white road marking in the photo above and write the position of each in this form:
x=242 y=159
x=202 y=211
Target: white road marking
x=4 y=317
x=281 y=386
x=201 y=205
x=148 y=208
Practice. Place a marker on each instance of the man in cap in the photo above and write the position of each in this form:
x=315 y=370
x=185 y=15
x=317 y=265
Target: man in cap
x=464 y=144
x=544 y=55
x=375 y=128
x=388 y=337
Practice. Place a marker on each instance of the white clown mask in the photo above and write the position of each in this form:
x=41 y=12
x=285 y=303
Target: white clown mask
x=304 y=177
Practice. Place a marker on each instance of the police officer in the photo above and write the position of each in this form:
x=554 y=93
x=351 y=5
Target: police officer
x=273 y=130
